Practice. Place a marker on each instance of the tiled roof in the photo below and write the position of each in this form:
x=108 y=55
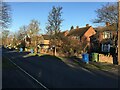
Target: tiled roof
x=46 y=37
x=78 y=31
x=106 y=28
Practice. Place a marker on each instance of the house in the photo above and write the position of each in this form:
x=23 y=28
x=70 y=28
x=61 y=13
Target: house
x=65 y=33
x=104 y=39
x=45 y=42
x=27 y=40
x=83 y=35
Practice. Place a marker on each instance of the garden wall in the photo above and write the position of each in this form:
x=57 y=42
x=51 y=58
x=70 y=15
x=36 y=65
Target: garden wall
x=107 y=59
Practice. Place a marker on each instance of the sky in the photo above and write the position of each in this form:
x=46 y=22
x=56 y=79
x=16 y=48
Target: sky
x=74 y=13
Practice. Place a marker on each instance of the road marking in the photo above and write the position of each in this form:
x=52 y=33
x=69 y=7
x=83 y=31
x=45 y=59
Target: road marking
x=28 y=74
x=88 y=71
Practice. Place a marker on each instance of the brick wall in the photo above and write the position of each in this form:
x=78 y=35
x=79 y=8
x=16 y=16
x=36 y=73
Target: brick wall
x=89 y=33
x=103 y=58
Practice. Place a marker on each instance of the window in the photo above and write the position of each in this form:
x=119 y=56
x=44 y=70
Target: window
x=77 y=37
x=106 y=34
x=105 y=47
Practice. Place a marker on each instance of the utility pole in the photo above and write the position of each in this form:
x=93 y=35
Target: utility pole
x=119 y=32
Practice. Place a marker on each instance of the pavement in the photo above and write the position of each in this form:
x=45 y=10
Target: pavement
x=52 y=72
x=107 y=68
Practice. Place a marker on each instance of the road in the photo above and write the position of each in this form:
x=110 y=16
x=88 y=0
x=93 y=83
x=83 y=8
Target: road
x=52 y=72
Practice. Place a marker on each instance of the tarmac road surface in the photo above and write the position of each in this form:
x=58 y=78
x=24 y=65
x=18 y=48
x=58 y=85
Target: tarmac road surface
x=53 y=73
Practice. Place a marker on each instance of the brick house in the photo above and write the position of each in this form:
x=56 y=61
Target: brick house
x=83 y=35
x=45 y=42
x=104 y=39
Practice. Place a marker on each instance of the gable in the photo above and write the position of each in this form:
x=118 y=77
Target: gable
x=90 y=32
x=46 y=37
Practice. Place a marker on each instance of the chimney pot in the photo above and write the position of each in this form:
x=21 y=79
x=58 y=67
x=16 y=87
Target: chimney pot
x=87 y=25
x=107 y=24
x=77 y=27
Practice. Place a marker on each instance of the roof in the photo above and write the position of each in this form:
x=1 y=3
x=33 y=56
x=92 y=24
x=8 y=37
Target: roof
x=64 y=32
x=46 y=37
x=78 y=31
x=112 y=27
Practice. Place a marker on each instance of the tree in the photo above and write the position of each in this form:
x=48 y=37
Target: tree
x=70 y=46
x=5 y=15
x=108 y=13
x=5 y=20
x=54 y=20
x=119 y=34
x=20 y=37
x=53 y=26
x=5 y=34
x=71 y=28
x=33 y=31
x=33 y=28
x=22 y=32
x=15 y=41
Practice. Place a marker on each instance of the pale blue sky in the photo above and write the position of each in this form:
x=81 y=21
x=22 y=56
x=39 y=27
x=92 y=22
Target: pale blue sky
x=78 y=13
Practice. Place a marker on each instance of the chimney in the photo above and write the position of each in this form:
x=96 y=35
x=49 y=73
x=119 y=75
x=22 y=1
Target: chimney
x=107 y=24
x=71 y=28
x=66 y=33
x=77 y=27
x=87 y=25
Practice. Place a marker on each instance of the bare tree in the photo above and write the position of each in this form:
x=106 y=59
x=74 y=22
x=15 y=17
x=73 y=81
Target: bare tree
x=72 y=27
x=15 y=40
x=21 y=35
x=5 y=14
x=33 y=32
x=54 y=20
x=22 y=32
x=5 y=34
x=108 y=13
x=33 y=28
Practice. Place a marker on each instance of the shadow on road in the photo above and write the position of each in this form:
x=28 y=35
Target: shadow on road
x=58 y=73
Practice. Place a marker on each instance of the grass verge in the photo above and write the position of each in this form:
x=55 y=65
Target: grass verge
x=32 y=54
x=93 y=65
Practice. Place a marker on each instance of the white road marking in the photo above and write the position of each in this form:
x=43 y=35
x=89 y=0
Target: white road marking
x=29 y=74
x=87 y=71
